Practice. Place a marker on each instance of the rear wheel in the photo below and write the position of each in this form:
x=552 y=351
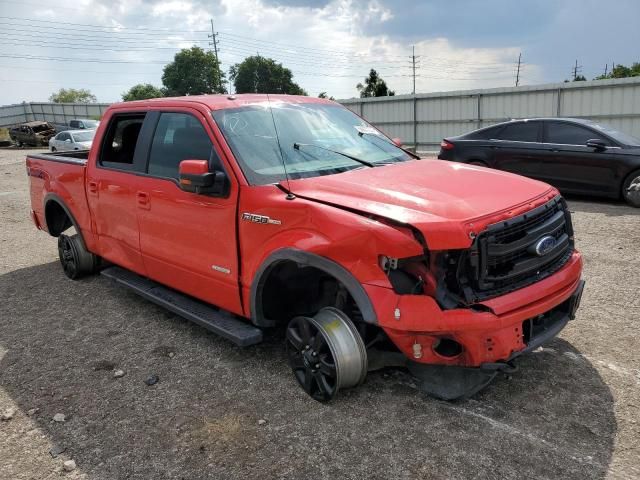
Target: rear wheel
x=76 y=261
x=53 y=149
x=631 y=189
x=326 y=353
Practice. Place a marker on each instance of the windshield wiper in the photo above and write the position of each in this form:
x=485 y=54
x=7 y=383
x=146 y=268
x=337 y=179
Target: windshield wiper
x=386 y=140
x=297 y=146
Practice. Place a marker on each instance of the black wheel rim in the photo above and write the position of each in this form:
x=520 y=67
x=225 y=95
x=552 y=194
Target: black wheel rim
x=67 y=257
x=311 y=359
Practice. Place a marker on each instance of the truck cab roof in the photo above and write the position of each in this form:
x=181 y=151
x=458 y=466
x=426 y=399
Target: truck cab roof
x=222 y=101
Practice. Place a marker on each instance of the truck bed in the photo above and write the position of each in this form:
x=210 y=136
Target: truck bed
x=59 y=175
x=76 y=156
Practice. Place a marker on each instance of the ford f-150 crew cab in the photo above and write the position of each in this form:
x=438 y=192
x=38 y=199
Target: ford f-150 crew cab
x=247 y=212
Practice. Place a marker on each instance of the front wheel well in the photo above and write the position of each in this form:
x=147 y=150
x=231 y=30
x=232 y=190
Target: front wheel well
x=57 y=218
x=291 y=289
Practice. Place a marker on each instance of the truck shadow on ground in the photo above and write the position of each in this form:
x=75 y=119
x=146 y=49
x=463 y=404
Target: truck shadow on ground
x=63 y=339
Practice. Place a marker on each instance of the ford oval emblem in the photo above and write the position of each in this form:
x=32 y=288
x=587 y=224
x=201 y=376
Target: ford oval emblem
x=545 y=245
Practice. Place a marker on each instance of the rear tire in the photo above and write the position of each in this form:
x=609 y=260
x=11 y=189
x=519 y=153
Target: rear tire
x=631 y=189
x=326 y=353
x=76 y=261
x=53 y=149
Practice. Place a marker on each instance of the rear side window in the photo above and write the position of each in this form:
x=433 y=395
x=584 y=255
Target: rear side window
x=485 y=133
x=63 y=136
x=570 y=134
x=74 y=123
x=178 y=136
x=520 y=132
x=120 y=141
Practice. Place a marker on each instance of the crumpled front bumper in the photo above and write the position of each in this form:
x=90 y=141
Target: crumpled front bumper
x=495 y=332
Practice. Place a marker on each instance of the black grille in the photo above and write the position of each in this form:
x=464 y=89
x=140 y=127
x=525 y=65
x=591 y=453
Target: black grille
x=504 y=256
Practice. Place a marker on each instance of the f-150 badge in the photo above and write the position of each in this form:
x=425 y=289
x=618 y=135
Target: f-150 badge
x=252 y=217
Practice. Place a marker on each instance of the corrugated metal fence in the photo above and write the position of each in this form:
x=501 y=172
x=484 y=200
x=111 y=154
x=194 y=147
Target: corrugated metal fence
x=49 y=112
x=424 y=119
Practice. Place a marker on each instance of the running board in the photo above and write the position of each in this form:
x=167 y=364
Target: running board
x=218 y=321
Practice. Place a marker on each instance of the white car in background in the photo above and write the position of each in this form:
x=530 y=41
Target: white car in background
x=72 y=140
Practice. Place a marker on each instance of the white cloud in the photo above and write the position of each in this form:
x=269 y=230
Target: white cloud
x=326 y=47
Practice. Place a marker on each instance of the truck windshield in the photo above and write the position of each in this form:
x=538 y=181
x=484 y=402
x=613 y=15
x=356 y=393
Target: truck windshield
x=264 y=140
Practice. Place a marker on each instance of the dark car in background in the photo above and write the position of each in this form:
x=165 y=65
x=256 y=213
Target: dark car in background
x=84 y=123
x=574 y=155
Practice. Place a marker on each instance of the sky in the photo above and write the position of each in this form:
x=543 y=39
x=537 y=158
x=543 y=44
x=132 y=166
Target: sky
x=107 y=46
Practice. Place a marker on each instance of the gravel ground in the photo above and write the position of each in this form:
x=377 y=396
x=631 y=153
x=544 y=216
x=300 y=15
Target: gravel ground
x=218 y=411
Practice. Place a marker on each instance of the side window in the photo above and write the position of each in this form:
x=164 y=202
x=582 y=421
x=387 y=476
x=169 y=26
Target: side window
x=486 y=133
x=119 y=144
x=178 y=136
x=570 y=134
x=63 y=136
x=520 y=132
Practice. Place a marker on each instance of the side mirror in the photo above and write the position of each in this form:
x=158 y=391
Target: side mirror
x=195 y=177
x=397 y=141
x=596 y=144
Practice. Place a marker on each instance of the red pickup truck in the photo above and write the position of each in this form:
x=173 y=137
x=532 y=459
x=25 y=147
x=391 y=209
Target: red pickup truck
x=247 y=212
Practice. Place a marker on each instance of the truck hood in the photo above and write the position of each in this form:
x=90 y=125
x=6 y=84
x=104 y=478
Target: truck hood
x=448 y=202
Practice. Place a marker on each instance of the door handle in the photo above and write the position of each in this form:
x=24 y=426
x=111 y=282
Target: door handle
x=143 y=200
x=93 y=187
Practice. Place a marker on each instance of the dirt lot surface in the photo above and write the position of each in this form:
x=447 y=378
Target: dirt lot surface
x=218 y=411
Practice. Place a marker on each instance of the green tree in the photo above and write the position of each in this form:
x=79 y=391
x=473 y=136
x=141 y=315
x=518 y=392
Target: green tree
x=71 y=95
x=374 y=86
x=622 y=71
x=580 y=78
x=324 y=95
x=142 y=91
x=258 y=74
x=193 y=72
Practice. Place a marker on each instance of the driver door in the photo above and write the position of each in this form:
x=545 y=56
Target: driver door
x=188 y=241
x=574 y=167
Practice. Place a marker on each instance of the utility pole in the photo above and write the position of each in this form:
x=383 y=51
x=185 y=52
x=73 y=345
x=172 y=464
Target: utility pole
x=605 y=69
x=518 y=72
x=415 y=100
x=413 y=62
x=213 y=36
x=576 y=69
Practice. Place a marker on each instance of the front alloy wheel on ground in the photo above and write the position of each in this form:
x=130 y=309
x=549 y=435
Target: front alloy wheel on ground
x=326 y=353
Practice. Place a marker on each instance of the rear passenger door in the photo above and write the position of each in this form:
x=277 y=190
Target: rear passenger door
x=518 y=150
x=574 y=167
x=111 y=189
x=188 y=240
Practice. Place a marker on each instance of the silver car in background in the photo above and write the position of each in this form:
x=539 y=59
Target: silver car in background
x=72 y=140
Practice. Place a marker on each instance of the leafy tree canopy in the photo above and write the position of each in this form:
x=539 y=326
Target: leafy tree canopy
x=71 y=95
x=258 y=74
x=193 y=72
x=324 y=95
x=374 y=86
x=142 y=91
x=622 y=71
